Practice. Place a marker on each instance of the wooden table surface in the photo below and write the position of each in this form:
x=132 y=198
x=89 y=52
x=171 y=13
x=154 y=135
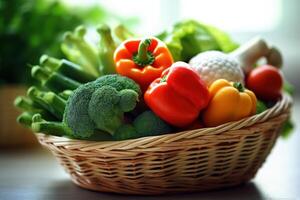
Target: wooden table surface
x=35 y=174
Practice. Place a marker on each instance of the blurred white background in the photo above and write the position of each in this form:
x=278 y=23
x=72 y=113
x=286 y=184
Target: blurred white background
x=275 y=20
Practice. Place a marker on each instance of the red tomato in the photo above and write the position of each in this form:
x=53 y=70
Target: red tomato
x=266 y=82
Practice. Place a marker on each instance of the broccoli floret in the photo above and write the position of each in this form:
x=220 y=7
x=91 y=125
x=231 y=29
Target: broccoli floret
x=107 y=107
x=118 y=82
x=128 y=100
x=100 y=105
x=146 y=124
x=124 y=132
x=76 y=115
x=104 y=109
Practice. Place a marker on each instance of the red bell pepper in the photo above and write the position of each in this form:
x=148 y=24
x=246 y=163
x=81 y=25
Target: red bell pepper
x=178 y=96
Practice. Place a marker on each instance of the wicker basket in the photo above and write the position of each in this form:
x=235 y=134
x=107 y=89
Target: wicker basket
x=195 y=160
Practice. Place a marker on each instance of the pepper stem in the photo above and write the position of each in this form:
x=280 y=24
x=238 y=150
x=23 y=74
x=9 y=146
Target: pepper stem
x=163 y=79
x=239 y=86
x=143 y=56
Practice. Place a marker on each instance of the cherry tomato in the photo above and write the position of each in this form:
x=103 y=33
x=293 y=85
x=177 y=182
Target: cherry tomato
x=266 y=82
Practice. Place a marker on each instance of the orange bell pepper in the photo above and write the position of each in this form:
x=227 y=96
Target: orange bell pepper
x=228 y=102
x=142 y=60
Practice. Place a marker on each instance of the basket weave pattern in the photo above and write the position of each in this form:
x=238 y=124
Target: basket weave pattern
x=194 y=160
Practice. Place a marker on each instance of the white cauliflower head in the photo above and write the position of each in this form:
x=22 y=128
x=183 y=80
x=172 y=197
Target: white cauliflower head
x=213 y=65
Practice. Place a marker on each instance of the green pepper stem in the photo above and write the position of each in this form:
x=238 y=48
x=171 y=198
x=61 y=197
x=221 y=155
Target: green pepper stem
x=163 y=79
x=143 y=56
x=239 y=86
x=143 y=49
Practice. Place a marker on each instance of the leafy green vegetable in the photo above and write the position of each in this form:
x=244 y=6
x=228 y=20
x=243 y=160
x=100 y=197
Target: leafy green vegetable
x=287 y=128
x=288 y=87
x=188 y=38
x=260 y=107
x=223 y=39
x=30 y=27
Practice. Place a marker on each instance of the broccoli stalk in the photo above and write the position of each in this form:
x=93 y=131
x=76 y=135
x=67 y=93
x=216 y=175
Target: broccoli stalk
x=65 y=94
x=25 y=119
x=100 y=105
x=26 y=104
x=146 y=124
x=107 y=48
x=66 y=68
x=29 y=106
x=53 y=81
x=48 y=100
x=81 y=52
x=39 y=125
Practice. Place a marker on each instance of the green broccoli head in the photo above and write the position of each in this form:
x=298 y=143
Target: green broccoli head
x=146 y=124
x=128 y=100
x=125 y=131
x=76 y=115
x=107 y=107
x=118 y=82
x=100 y=105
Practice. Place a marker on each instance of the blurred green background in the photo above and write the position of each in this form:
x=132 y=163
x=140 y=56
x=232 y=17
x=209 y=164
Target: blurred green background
x=29 y=28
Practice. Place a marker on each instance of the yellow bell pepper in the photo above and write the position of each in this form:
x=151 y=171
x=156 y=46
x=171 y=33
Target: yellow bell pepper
x=229 y=101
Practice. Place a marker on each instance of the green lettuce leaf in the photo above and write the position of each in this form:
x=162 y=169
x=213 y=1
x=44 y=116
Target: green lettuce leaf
x=188 y=38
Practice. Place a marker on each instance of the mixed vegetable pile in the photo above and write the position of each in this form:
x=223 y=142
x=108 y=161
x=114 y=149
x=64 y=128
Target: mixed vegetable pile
x=192 y=76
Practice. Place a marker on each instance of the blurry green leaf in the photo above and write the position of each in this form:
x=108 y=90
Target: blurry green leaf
x=287 y=129
x=188 y=38
x=225 y=42
x=260 y=107
x=289 y=88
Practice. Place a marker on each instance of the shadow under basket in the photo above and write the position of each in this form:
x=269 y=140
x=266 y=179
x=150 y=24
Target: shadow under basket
x=195 y=160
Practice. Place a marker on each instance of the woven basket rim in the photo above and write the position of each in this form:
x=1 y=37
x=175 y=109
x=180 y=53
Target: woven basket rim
x=282 y=106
